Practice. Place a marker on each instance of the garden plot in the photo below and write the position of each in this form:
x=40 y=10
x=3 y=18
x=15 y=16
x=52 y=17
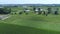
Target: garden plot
x=3 y=17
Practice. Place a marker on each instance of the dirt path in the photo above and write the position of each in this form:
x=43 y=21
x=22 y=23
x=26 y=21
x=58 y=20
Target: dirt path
x=3 y=17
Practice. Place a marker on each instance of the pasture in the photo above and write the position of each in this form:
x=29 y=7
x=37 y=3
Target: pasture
x=30 y=24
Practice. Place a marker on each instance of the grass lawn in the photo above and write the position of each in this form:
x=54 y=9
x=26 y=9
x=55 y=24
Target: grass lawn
x=31 y=24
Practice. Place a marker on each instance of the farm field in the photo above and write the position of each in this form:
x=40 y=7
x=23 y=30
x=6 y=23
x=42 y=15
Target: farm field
x=30 y=24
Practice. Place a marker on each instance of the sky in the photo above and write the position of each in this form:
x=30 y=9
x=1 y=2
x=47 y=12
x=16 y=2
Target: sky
x=29 y=1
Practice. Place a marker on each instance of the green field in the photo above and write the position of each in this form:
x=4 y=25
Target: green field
x=30 y=24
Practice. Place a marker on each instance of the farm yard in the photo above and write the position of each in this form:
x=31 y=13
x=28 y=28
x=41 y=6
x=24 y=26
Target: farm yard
x=30 y=24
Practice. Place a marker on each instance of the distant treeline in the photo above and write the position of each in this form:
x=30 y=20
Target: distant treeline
x=29 y=4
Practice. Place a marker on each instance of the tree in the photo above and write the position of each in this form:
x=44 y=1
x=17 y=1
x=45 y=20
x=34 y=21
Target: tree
x=49 y=10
